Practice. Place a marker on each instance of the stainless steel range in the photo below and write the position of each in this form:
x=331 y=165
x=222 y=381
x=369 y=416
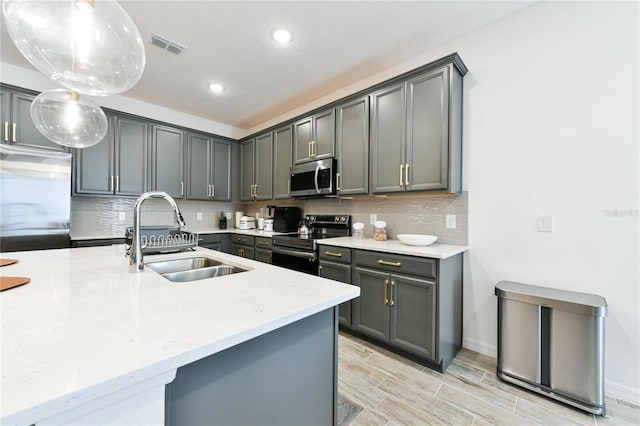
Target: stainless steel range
x=299 y=251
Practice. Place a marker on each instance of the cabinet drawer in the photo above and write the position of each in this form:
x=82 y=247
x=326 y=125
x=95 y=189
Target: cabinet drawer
x=335 y=254
x=206 y=239
x=242 y=239
x=421 y=266
x=263 y=243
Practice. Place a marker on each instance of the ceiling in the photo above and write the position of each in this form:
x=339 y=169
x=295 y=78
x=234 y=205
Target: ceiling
x=336 y=43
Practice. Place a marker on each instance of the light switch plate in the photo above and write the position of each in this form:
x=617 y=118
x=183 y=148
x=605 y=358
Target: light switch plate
x=545 y=223
x=451 y=221
x=122 y=216
x=199 y=216
x=373 y=218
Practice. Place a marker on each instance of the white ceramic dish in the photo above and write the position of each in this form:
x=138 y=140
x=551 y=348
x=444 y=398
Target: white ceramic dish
x=417 y=239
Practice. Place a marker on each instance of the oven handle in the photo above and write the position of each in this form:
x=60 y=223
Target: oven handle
x=295 y=253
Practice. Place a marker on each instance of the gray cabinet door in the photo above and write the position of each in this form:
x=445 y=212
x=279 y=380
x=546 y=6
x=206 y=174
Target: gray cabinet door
x=5 y=114
x=23 y=131
x=427 y=131
x=131 y=165
x=242 y=251
x=338 y=272
x=167 y=159
x=95 y=165
x=352 y=146
x=282 y=148
x=221 y=172
x=323 y=135
x=198 y=166
x=413 y=309
x=264 y=167
x=247 y=167
x=370 y=311
x=302 y=137
x=388 y=139
x=263 y=255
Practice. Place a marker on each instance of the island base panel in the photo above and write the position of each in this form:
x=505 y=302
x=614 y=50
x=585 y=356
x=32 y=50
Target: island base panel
x=287 y=376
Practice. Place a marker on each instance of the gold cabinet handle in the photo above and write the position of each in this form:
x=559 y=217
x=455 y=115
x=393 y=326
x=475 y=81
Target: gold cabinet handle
x=401 y=174
x=117 y=183
x=263 y=244
x=6 y=131
x=111 y=184
x=256 y=194
x=213 y=191
x=208 y=190
x=181 y=188
x=406 y=174
x=386 y=292
x=309 y=149
x=314 y=150
x=386 y=262
x=338 y=182
x=241 y=252
x=333 y=254
x=391 y=302
x=13 y=137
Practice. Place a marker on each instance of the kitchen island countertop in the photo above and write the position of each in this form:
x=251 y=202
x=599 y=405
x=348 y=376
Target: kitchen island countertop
x=435 y=251
x=85 y=327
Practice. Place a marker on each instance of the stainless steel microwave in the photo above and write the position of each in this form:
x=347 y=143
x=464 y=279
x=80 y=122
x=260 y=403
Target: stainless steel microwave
x=314 y=179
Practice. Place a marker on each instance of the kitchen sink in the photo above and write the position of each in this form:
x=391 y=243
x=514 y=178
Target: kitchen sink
x=202 y=273
x=192 y=269
x=186 y=264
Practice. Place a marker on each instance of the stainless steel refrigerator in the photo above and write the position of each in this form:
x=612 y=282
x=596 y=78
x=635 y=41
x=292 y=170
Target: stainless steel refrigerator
x=35 y=198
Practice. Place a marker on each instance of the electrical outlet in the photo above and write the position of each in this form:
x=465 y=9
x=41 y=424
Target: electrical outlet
x=199 y=216
x=373 y=218
x=451 y=221
x=122 y=216
x=545 y=223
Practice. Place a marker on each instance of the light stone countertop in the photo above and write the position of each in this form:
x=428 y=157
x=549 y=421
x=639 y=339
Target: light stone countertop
x=253 y=232
x=85 y=327
x=436 y=250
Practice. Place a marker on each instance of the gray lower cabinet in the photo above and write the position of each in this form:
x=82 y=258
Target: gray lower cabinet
x=243 y=246
x=416 y=134
x=282 y=149
x=314 y=137
x=219 y=242
x=410 y=303
x=256 y=165
x=17 y=125
x=335 y=264
x=352 y=146
x=167 y=159
x=208 y=168
x=263 y=249
x=117 y=165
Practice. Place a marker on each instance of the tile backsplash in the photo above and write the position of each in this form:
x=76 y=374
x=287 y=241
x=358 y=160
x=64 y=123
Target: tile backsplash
x=410 y=214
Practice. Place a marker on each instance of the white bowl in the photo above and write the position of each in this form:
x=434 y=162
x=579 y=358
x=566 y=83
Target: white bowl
x=417 y=239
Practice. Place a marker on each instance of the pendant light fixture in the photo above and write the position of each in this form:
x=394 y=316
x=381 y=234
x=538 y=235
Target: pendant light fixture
x=90 y=47
x=69 y=119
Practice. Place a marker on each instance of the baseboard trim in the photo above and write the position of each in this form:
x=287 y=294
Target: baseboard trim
x=611 y=389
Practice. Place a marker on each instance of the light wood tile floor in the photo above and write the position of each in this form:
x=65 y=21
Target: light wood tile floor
x=395 y=391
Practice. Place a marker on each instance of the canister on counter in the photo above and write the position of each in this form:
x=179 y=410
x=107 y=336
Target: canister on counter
x=358 y=230
x=380 y=230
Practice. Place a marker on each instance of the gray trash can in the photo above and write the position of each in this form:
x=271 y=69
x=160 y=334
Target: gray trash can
x=552 y=342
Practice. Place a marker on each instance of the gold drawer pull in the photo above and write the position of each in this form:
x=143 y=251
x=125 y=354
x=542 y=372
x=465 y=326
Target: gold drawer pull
x=262 y=243
x=391 y=302
x=333 y=254
x=386 y=292
x=386 y=262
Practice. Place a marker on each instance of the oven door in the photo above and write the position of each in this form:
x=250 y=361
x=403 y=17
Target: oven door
x=298 y=260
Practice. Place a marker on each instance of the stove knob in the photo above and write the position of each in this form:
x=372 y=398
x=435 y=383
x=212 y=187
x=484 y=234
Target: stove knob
x=337 y=219
x=343 y=219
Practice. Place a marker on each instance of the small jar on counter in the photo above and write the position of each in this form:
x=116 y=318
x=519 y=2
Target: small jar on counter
x=358 y=230
x=380 y=230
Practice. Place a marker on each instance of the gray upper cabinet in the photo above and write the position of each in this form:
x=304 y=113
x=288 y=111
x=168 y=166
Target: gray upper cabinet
x=256 y=165
x=282 y=151
x=167 y=158
x=17 y=126
x=416 y=133
x=352 y=146
x=314 y=137
x=208 y=163
x=118 y=164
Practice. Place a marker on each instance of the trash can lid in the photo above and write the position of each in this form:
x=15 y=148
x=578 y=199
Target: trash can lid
x=573 y=301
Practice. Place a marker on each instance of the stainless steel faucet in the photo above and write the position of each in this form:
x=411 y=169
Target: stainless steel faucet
x=135 y=255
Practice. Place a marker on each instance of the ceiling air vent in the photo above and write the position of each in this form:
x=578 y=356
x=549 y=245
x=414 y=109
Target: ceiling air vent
x=167 y=44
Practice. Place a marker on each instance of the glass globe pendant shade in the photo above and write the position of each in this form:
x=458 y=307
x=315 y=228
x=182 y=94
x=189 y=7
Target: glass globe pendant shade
x=68 y=119
x=88 y=46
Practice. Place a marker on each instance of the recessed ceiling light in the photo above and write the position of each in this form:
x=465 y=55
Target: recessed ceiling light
x=216 y=88
x=282 y=35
